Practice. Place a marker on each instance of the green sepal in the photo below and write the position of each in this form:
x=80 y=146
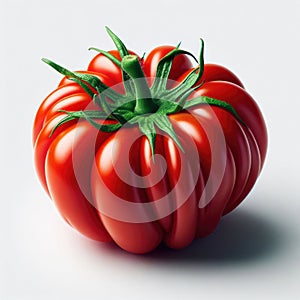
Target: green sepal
x=108 y=55
x=168 y=107
x=61 y=122
x=118 y=43
x=101 y=100
x=99 y=86
x=183 y=98
x=164 y=68
x=69 y=74
x=123 y=115
x=186 y=84
x=128 y=105
x=191 y=79
x=89 y=79
x=102 y=127
x=123 y=52
x=212 y=101
x=84 y=86
x=163 y=123
x=72 y=115
x=146 y=126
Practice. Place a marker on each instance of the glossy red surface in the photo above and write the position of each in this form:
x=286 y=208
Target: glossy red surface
x=84 y=170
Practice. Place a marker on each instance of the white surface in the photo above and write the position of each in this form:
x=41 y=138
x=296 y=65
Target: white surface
x=255 y=251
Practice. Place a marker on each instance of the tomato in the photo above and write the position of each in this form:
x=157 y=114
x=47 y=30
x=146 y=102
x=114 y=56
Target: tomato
x=141 y=170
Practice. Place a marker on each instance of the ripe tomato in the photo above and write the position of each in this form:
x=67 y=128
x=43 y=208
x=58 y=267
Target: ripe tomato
x=148 y=170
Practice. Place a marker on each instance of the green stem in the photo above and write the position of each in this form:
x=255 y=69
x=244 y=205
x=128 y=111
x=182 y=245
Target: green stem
x=144 y=103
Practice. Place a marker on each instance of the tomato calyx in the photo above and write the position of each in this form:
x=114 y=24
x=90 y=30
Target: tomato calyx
x=145 y=106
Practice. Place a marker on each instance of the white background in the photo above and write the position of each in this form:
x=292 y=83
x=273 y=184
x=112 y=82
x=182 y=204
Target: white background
x=255 y=251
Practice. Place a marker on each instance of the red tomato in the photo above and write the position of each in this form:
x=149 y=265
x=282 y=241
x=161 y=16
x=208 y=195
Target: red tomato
x=106 y=184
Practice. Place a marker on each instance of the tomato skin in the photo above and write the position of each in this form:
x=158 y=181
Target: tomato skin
x=49 y=101
x=244 y=105
x=63 y=183
x=214 y=72
x=84 y=170
x=254 y=172
x=255 y=132
x=123 y=233
x=43 y=143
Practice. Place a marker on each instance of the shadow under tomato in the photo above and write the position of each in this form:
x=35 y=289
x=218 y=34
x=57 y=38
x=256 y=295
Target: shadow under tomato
x=242 y=236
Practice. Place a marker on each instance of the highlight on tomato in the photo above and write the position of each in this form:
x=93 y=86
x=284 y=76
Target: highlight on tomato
x=142 y=151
